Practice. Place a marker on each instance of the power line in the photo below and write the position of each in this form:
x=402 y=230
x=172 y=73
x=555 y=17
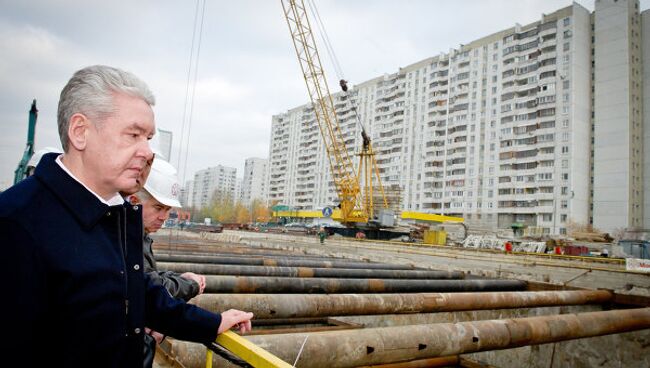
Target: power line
x=191 y=101
x=187 y=89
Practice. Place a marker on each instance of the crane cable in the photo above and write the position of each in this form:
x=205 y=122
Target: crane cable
x=189 y=97
x=326 y=39
x=334 y=60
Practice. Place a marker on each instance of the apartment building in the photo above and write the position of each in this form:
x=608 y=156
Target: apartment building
x=165 y=143
x=221 y=180
x=618 y=102
x=186 y=195
x=498 y=131
x=254 y=184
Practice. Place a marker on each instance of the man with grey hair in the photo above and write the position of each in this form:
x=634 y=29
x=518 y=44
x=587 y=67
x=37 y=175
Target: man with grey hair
x=73 y=247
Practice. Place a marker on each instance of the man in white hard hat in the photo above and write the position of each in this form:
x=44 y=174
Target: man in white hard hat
x=158 y=196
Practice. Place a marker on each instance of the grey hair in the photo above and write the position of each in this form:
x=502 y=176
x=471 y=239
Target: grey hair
x=90 y=92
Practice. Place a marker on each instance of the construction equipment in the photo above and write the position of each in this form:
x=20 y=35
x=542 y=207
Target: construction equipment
x=358 y=190
x=355 y=195
x=21 y=170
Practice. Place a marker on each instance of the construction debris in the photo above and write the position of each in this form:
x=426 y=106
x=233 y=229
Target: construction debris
x=491 y=242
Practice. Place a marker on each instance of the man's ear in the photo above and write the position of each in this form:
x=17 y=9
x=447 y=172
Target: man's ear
x=78 y=131
x=133 y=199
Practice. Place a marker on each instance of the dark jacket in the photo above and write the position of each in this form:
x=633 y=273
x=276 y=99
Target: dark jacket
x=78 y=296
x=179 y=287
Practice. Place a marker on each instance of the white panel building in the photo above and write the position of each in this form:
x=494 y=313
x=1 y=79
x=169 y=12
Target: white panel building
x=254 y=184
x=500 y=130
x=187 y=193
x=165 y=143
x=221 y=179
x=618 y=134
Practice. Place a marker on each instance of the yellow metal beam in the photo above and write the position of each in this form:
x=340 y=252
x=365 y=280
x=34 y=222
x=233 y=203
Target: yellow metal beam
x=430 y=217
x=251 y=353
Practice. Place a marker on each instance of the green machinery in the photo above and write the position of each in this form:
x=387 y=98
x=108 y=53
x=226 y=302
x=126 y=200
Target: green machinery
x=21 y=170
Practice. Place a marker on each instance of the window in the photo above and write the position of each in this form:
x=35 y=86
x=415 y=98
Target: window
x=565 y=109
x=566 y=47
x=565 y=136
x=565 y=123
x=565 y=149
x=565 y=176
x=564 y=203
x=563 y=218
x=565 y=190
x=546 y=217
x=566 y=84
x=566 y=21
x=565 y=164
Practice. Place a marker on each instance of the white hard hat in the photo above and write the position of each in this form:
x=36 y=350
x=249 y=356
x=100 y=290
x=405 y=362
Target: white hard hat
x=36 y=157
x=162 y=183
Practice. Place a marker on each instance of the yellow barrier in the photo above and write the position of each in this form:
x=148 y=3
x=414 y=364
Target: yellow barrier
x=246 y=350
x=435 y=237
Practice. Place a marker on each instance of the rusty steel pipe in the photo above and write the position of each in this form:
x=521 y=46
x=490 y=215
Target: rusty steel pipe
x=242 y=270
x=240 y=252
x=352 y=348
x=448 y=361
x=293 y=305
x=286 y=262
x=253 y=284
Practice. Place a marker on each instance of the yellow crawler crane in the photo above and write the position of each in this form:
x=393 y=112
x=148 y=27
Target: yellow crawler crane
x=356 y=200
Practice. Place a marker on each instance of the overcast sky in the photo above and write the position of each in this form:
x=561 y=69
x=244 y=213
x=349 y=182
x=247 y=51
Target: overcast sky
x=247 y=69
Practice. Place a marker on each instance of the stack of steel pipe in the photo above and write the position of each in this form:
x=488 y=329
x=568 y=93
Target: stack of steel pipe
x=276 y=285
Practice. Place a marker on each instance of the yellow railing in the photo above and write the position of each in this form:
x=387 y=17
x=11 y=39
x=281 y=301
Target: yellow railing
x=246 y=350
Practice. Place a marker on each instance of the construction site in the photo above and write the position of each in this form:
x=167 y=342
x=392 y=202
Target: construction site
x=359 y=303
x=368 y=281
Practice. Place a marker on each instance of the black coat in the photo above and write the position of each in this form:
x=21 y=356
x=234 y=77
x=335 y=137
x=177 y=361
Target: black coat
x=78 y=296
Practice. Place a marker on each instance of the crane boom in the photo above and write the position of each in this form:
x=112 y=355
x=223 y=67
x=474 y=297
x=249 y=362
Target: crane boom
x=344 y=176
x=21 y=171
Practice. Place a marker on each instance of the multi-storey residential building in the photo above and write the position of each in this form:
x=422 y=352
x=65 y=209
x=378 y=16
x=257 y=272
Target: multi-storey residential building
x=498 y=131
x=254 y=182
x=645 y=31
x=186 y=194
x=165 y=143
x=219 y=180
x=618 y=108
x=239 y=190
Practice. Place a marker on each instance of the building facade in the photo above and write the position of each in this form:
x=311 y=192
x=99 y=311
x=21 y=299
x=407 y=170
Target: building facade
x=254 y=184
x=218 y=180
x=165 y=143
x=498 y=131
x=618 y=115
x=186 y=195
